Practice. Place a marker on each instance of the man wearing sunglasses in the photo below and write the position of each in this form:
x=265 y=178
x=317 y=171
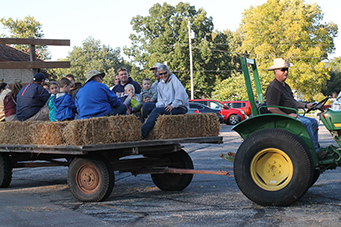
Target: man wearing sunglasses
x=279 y=93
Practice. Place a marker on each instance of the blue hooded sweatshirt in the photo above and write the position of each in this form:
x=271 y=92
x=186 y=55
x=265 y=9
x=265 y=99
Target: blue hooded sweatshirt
x=65 y=107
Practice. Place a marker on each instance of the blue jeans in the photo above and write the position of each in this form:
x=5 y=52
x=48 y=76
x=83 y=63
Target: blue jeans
x=121 y=110
x=147 y=108
x=148 y=126
x=311 y=125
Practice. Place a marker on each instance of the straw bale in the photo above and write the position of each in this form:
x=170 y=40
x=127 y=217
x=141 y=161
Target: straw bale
x=125 y=128
x=185 y=125
x=15 y=132
x=101 y=130
x=47 y=133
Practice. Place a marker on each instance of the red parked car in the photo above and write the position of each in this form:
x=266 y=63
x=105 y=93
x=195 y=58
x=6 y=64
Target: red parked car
x=243 y=105
x=231 y=116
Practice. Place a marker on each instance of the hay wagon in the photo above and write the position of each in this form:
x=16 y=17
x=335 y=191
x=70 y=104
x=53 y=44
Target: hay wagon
x=91 y=167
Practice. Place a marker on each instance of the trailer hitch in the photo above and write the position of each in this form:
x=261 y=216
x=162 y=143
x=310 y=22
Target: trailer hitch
x=229 y=157
x=163 y=170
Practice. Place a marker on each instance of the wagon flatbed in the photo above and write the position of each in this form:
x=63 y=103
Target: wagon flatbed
x=91 y=168
x=138 y=147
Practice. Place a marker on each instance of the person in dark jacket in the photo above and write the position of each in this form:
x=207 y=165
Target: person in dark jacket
x=74 y=87
x=65 y=105
x=31 y=100
x=124 y=80
x=95 y=99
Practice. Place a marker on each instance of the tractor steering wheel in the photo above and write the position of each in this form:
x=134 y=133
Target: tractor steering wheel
x=319 y=105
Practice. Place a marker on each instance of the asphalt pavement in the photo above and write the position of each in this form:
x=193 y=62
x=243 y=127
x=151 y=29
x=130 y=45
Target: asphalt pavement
x=41 y=197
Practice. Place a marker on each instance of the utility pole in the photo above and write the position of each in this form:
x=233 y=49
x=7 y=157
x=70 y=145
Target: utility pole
x=190 y=37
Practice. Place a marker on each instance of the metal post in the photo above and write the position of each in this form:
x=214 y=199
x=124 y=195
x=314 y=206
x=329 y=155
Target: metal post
x=190 y=58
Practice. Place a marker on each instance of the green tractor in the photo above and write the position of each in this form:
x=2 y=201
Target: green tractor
x=277 y=163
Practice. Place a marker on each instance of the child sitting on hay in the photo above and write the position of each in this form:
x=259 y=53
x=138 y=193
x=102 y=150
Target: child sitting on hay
x=53 y=87
x=65 y=105
x=130 y=98
x=147 y=92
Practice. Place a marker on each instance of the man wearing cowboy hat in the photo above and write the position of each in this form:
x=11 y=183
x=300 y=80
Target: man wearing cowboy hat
x=95 y=99
x=279 y=93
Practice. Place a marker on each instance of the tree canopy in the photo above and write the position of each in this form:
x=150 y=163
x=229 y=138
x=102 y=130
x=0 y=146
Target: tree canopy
x=26 y=28
x=93 y=55
x=333 y=86
x=162 y=36
x=293 y=30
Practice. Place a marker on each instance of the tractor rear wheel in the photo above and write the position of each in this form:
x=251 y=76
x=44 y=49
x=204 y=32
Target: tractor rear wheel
x=273 y=167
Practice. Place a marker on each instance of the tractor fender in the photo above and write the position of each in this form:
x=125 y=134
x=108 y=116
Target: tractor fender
x=266 y=121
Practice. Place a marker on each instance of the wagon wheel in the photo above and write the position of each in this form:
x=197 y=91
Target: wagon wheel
x=5 y=171
x=90 y=179
x=273 y=167
x=175 y=182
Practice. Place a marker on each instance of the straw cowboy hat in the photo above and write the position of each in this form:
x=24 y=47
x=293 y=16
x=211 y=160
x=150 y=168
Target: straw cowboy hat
x=279 y=63
x=91 y=74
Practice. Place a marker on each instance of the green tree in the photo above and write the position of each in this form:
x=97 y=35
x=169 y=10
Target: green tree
x=93 y=55
x=26 y=28
x=292 y=30
x=163 y=37
x=232 y=88
x=333 y=86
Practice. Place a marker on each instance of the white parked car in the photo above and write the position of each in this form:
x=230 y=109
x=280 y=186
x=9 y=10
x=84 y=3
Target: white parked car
x=337 y=103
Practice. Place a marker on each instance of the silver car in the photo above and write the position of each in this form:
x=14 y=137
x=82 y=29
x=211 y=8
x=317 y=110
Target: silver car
x=337 y=103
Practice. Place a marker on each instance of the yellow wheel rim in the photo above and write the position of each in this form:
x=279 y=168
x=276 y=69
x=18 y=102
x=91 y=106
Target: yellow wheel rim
x=271 y=169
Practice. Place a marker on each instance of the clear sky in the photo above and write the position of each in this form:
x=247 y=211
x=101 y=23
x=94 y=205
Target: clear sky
x=109 y=20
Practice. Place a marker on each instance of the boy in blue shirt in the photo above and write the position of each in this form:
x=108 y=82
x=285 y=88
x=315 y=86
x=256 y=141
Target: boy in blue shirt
x=65 y=105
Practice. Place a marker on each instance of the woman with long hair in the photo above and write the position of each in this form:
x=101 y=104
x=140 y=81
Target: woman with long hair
x=10 y=103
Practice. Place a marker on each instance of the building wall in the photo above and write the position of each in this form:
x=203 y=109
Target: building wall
x=11 y=76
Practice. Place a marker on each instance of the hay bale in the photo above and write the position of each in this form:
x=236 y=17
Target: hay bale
x=32 y=132
x=15 y=132
x=125 y=128
x=102 y=130
x=47 y=133
x=185 y=125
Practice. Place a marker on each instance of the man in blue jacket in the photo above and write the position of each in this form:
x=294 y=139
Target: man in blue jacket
x=31 y=100
x=95 y=99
